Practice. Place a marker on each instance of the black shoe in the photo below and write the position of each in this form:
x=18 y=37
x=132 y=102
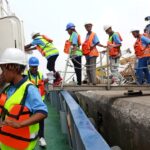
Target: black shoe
x=79 y=83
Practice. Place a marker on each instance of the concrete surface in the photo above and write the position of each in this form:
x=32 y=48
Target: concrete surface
x=122 y=120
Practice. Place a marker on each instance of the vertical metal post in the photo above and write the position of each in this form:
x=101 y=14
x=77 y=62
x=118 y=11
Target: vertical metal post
x=66 y=67
x=101 y=66
x=108 y=82
x=100 y=59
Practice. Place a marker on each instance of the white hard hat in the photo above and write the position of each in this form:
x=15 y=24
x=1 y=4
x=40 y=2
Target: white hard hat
x=34 y=33
x=134 y=29
x=13 y=56
x=106 y=27
x=88 y=23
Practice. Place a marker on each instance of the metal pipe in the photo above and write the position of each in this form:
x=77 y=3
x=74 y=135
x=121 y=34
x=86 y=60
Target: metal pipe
x=65 y=72
x=107 y=57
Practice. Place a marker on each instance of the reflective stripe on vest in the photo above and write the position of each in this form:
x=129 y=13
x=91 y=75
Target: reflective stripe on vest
x=68 y=43
x=140 y=50
x=86 y=46
x=113 y=52
x=47 y=49
x=14 y=109
x=38 y=82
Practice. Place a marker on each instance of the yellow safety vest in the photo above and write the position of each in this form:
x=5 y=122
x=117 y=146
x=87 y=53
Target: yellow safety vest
x=38 y=82
x=13 y=108
x=47 y=49
x=77 y=52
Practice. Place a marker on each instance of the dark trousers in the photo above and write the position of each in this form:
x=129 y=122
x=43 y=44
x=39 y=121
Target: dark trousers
x=51 y=63
x=77 y=67
x=41 y=129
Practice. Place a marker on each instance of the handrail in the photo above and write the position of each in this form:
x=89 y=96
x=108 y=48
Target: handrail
x=90 y=139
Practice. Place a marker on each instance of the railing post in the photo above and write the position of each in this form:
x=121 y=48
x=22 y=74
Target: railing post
x=108 y=81
x=66 y=67
x=101 y=64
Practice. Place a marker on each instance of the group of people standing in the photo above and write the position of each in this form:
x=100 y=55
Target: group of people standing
x=22 y=109
x=88 y=48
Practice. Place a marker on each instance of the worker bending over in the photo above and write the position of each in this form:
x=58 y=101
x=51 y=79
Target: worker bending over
x=48 y=50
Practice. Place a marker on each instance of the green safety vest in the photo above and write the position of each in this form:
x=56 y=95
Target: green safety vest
x=111 y=37
x=36 y=80
x=47 y=49
x=17 y=99
x=78 y=52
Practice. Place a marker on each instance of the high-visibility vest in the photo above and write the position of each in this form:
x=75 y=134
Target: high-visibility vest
x=38 y=82
x=68 y=44
x=140 y=50
x=115 y=51
x=86 y=46
x=48 y=48
x=13 y=108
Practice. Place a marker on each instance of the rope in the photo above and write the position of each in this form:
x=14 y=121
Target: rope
x=73 y=58
x=81 y=64
x=89 y=67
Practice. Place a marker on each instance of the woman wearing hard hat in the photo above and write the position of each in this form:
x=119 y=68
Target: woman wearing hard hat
x=72 y=47
x=21 y=104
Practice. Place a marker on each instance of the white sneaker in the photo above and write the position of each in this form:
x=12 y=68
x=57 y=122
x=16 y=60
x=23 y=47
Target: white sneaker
x=114 y=84
x=42 y=142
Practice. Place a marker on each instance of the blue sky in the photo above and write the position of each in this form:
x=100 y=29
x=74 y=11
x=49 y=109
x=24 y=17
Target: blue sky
x=51 y=16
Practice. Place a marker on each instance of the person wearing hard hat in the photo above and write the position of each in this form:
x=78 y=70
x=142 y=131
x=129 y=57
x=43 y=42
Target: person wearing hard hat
x=146 y=33
x=114 y=44
x=72 y=47
x=142 y=52
x=91 y=53
x=48 y=50
x=21 y=104
x=36 y=77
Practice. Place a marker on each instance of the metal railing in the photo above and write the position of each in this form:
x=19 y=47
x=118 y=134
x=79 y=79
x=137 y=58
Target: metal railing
x=100 y=62
x=82 y=135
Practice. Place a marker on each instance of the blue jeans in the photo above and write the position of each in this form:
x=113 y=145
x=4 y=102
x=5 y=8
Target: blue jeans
x=142 y=71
